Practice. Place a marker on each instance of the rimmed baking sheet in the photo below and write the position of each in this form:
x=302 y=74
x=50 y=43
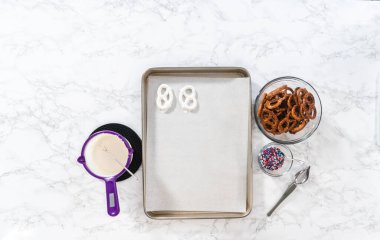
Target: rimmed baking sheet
x=198 y=164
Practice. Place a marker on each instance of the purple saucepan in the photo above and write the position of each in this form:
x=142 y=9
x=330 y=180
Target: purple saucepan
x=113 y=208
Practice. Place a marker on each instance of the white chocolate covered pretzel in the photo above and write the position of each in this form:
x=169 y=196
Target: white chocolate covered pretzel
x=164 y=99
x=188 y=98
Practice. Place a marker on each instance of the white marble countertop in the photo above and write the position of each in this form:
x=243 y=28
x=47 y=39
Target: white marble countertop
x=67 y=67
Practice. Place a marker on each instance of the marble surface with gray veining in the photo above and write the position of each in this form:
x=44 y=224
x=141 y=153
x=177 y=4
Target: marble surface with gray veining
x=67 y=67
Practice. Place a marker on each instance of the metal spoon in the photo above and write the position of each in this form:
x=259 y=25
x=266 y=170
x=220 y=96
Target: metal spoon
x=118 y=162
x=301 y=177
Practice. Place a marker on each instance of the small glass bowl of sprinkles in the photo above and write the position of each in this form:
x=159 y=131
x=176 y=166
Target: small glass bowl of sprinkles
x=275 y=159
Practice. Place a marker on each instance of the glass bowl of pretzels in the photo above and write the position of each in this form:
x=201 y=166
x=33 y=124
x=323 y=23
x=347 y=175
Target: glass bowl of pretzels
x=288 y=110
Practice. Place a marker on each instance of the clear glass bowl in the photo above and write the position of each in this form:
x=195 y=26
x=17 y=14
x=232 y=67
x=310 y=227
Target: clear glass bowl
x=287 y=164
x=311 y=126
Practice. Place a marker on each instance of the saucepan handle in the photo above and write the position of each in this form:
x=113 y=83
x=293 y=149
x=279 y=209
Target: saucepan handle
x=113 y=208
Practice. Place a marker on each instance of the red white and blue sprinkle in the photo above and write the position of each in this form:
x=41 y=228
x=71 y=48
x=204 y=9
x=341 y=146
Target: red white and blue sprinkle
x=272 y=158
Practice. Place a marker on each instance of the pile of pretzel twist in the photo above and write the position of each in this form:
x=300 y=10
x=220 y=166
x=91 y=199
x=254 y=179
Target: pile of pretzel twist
x=286 y=110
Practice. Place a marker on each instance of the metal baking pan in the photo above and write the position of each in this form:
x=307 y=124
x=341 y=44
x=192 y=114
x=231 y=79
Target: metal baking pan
x=155 y=125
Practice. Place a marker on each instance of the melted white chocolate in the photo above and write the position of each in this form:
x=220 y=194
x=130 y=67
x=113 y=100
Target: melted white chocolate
x=101 y=151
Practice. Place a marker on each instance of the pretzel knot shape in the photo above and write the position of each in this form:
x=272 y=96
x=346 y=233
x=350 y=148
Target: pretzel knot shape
x=188 y=98
x=164 y=98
